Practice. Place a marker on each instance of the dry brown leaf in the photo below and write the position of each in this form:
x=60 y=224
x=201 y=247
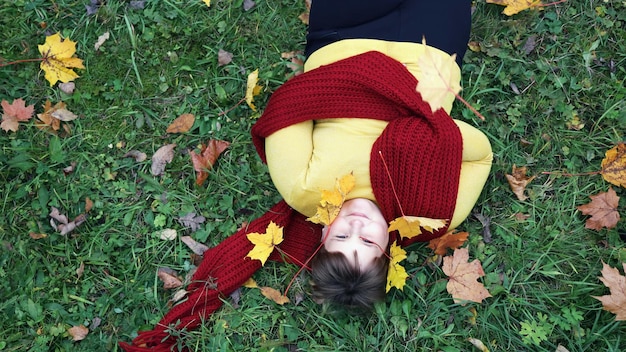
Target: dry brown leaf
x=224 y=57
x=616 y=301
x=478 y=344
x=518 y=181
x=274 y=295
x=88 y=204
x=195 y=246
x=137 y=155
x=181 y=124
x=162 y=157
x=78 y=332
x=37 y=236
x=463 y=277
x=80 y=270
x=169 y=278
x=203 y=161
x=304 y=17
x=603 y=210
x=101 y=39
x=14 y=113
x=614 y=165
x=50 y=120
x=450 y=240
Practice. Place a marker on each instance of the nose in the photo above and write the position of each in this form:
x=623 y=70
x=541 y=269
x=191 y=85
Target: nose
x=355 y=227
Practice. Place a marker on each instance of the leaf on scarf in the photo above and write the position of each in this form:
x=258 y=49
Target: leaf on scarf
x=437 y=81
x=204 y=161
x=332 y=200
x=252 y=88
x=264 y=242
x=411 y=226
x=603 y=210
x=614 y=165
x=518 y=181
x=450 y=240
x=396 y=274
x=515 y=6
x=616 y=301
x=181 y=124
x=463 y=277
x=274 y=295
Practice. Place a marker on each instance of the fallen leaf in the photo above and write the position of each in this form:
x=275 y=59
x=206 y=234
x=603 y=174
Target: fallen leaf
x=410 y=226
x=50 y=119
x=450 y=240
x=14 y=113
x=67 y=88
x=70 y=168
x=616 y=301
x=438 y=79
x=248 y=5
x=167 y=234
x=80 y=270
x=396 y=274
x=181 y=124
x=78 y=332
x=332 y=200
x=192 y=221
x=58 y=60
x=478 y=344
x=264 y=242
x=178 y=295
x=88 y=204
x=162 y=157
x=37 y=236
x=250 y=283
x=207 y=2
x=561 y=348
x=304 y=17
x=137 y=155
x=297 y=64
x=515 y=6
x=203 y=161
x=169 y=278
x=252 y=88
x=56 y=215
x=224 y=57
x=518 y=181
x=614 y=165
x=101 y=39
x=195 y=246
x=603 y=210
x=63 y=114
x=274 y=295
x=486 y=222
x=463 y=277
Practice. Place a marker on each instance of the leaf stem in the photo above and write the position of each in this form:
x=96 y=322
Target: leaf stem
x=480 y=116
x=393 y=187
x=559 y=173
x=553 y=3
x=21 y=61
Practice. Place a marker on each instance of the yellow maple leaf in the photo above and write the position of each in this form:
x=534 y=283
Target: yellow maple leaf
x=58 y=59
x=396 y=274
x=515 y=6
x=264 y=242
x=614 y=165
x=411 y=226
x=438 y=80
x=207 y=2
x=252 y=88
x=332 y=200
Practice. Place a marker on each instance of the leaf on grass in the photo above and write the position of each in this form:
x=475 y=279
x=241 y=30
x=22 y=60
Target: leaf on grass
x=304 y=17
x=195 y=246
x=616 y=301
x=515 y=6
x=411 y=226
x=438 y=80
x=396 y=274
x=167 y=234
x=207 y=2
x=264 y=242
x=478 y=344
x=14 y=113
x=248 y=5
x=274 y=295
x=137 y=155
x=603 y=210
x=78 y=332
x=37 y=236
x=101 y=39
x=518 y=181
x=169 y=278
x=252 y=88
x=332 y=200
x=64 y=226
x=224 y=57
x=450 y=240
x=162 y=157
x=58 y=60
x=203 y=161
x=51 y=117
x=296 y=63
x=463 y=277
x=192 y=221
x=181 y=124
x=250 y=283
x=67 y=88
x=614 y=165
x=80 y=270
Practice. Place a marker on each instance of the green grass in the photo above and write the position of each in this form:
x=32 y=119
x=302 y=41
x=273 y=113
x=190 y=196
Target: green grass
x=161 y=61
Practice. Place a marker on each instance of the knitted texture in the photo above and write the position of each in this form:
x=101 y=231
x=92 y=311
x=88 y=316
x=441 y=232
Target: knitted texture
x=224 y=269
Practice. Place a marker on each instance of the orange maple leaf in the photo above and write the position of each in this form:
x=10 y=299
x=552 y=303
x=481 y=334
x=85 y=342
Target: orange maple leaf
x=203 y=161
x=616 y=301
x=450 y=240
x=463 y=277
x=181 y=124
x=332 y=200
x=603 y=210
x=614 y=165
x=14 y=113
x=515 y=6
x=518 y=181
x=274 y=295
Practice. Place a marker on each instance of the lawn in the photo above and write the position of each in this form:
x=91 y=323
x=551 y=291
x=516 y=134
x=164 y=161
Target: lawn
x=549 y=81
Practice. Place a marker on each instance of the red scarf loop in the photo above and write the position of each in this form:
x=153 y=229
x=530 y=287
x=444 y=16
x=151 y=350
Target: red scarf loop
x=422 y=150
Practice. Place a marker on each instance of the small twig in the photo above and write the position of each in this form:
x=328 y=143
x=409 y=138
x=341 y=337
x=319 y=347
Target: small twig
x=232 y=108
x=559 y=173
x=553 y=3
x=480 y=116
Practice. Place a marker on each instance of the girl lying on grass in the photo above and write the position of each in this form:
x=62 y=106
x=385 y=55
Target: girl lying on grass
x=354 y=110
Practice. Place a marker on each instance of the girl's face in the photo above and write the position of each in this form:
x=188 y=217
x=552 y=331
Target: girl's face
x=359 y=227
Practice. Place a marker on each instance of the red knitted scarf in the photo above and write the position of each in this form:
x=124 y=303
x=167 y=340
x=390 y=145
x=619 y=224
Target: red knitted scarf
x=422 y=149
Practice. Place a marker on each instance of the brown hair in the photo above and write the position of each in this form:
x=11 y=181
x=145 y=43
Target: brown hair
x=336 y=280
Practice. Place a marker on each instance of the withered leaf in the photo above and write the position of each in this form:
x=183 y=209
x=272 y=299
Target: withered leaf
x=78 y=332
x=450 y=240
x=463 y=277
x=603 y=210
x=518 y=181
x=616 y=301
x=137 y=155
x=169 y=278
x=203 y=161
x=162 y=157
x=196 y=247
x=224 y=57
x=192 y=221
x=181 y=124
x=274 y=295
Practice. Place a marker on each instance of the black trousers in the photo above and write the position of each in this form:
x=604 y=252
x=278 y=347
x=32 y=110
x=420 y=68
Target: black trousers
x=444 y=23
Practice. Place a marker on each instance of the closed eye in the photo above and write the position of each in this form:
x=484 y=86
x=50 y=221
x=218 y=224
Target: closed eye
x=366 y=240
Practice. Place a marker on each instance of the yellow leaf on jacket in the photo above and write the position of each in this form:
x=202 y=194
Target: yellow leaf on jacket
x=411 y=226
x=332 y=200
x=438 y=80
x=58 y=59
x=264 y=242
